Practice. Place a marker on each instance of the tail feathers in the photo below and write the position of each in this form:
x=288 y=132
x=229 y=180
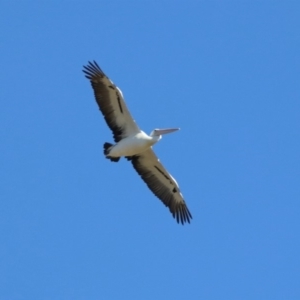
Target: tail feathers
x=107 y=147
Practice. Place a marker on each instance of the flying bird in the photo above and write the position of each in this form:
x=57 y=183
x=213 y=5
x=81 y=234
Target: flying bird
x=134 y=144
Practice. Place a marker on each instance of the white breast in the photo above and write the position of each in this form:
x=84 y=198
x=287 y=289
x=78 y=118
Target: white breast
x=132 y=145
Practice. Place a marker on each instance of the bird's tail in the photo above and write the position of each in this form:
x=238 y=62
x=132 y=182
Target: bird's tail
x=107 y=147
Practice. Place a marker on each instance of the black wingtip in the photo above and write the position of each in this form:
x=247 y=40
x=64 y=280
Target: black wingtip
x=182 y=214
x=95 y=63
x=92 y=69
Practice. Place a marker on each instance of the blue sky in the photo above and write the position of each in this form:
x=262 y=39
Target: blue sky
x=75 y=226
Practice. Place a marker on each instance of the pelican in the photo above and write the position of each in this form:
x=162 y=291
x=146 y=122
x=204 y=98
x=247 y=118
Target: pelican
x=134 y=144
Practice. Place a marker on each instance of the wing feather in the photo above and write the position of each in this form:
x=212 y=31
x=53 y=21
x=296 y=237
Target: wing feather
x=162 y=184
x=111 y=103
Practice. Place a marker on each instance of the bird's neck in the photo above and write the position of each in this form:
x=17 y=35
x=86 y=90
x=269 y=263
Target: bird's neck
x=156 y=138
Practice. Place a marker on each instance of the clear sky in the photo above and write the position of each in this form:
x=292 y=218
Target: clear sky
x=73 y=225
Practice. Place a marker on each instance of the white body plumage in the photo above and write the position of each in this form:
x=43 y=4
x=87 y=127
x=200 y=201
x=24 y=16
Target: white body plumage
x=133 y=145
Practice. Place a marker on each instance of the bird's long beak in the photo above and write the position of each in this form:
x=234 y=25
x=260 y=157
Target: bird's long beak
x=165 y=131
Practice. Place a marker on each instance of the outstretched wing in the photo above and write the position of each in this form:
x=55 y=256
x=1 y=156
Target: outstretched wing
x=111 y=103
x=162 y=184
